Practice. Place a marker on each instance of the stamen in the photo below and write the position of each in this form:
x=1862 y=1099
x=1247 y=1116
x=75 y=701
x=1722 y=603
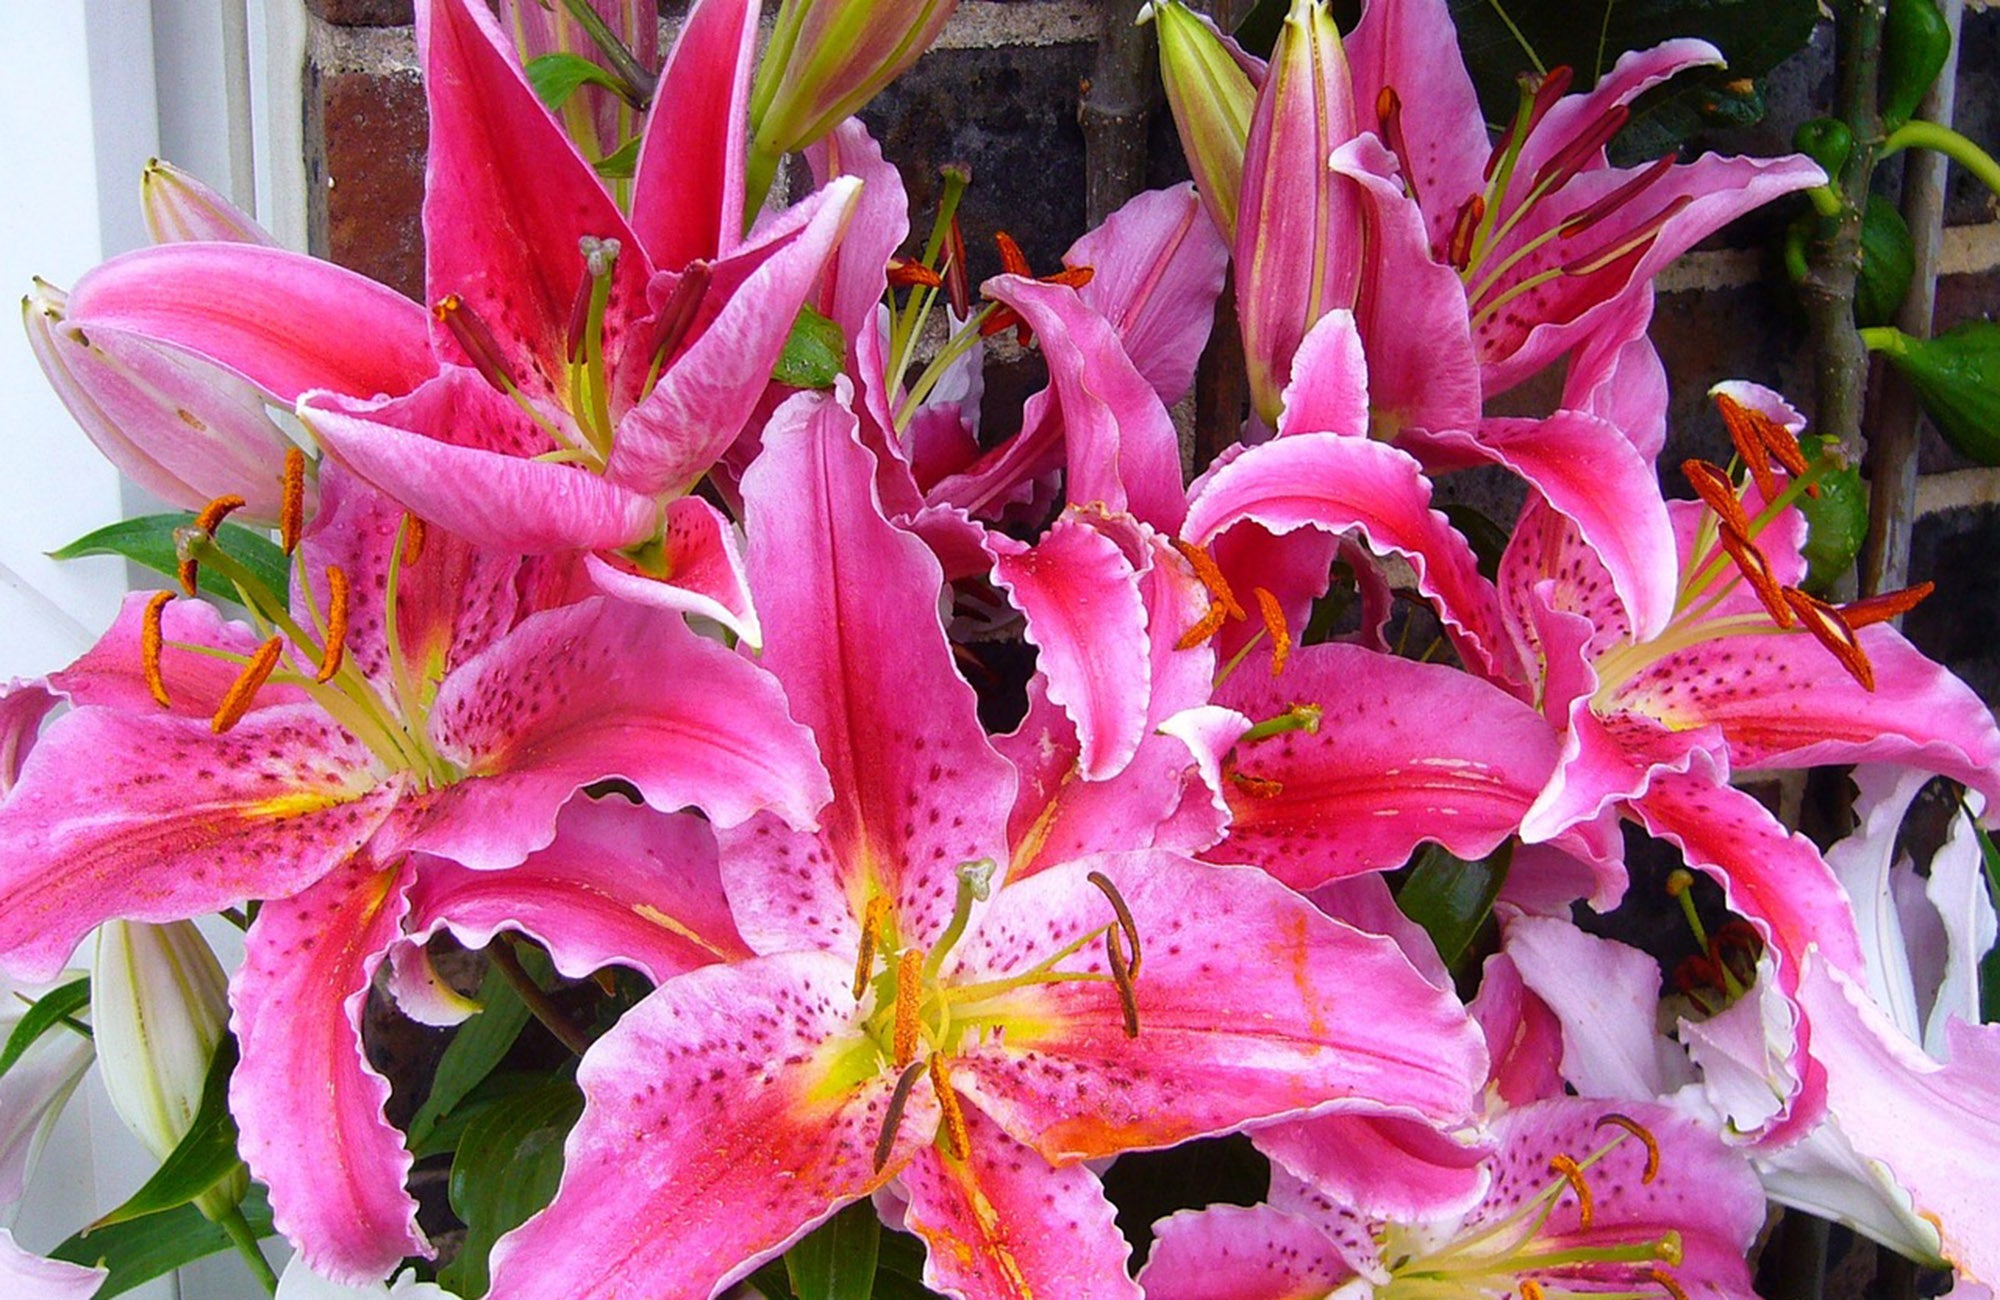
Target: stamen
x=957 y=1135
x=1832 y=631
x=1549 y=91
x=1664 y=1280
x=1204 y=627
x=206 y=522
x=906 y=274
x=1300 y=717
x=236 y=701
x=957 y=280
x=1210 y=574
x=871 y=931
x=336 y=625
x=1741 y=422
x=1258 y=787
x=1121 y=975
x=413 y=539
x=475 y=340
x=1881 y=608
x=1751 y=563
x=1572 y=1173
x=1125 y=921
x=1579 y=153
x=909 y=993
x=1531 y=1289
x=1640 y=1131
x=292 y=509
x=678 y=316
x=1718 y=493
x=892 y=1118
x=1619 y=197
x=1012 y=260
x=1274 y=623
x=1635 y=242
x=1389 y=111
x=1458 y=248
x=1736 y=948
x=152 y=642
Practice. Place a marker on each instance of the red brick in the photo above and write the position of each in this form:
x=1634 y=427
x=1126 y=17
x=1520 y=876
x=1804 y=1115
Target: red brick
x=367 y=138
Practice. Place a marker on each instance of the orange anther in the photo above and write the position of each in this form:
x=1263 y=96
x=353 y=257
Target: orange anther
x=1572 y=1173
x=1757 y=570
x=152 y=642
x=336 y=624
x=909 y=993
x=905 y=274
x=1718 y=493
x=958 y=1137
x=1274 y=623
x=1665 y=1281
x=872 y=920
x=1258 y=787
x=1531 y=1289
x=1751 y=444
x=1210 y=574
x=1012 y=260
x=292 y=509
x=1458 y=246
x=236 y=701
x=1833 y=632
x=207 y=521
x=413 y=539
x=1645 y=1135
x=1890 y=604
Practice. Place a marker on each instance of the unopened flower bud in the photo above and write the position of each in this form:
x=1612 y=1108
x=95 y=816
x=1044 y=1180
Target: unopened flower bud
x=179 y=208
x=1211 y=91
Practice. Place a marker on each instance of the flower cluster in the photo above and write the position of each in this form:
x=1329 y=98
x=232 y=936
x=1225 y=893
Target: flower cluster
x=596 y=625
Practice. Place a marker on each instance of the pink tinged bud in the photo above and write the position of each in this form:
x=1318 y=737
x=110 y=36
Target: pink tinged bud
x=159 y=1007
x=825 y=60
x=178 y=208
x=1213 y=99
x=1299 y=239
x=183 y=429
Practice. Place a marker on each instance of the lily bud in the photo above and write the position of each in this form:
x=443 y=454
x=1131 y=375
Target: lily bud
x=1211 y=87
x=1298 y=225
x=826 y=59
x=178 y=208
x=183 y=429
x=159 y=1007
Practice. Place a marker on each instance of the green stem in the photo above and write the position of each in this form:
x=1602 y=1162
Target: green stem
x=544 y=1008
x=638 y=89
x=1885 y=338
x=1929 y=135
x=245 y=1242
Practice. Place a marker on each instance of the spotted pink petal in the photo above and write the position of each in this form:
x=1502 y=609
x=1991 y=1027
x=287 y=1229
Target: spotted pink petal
x=1003 y=1224
x=285 y=322
x=851 y=627
x=1377 y=779
x=1616 y=374
x=620 y=886
x=156 y=818
x=710 y=1106
x=111 y=674
x=704 y=571
x=335 y=1171
x=1241 y=1252
x=1334 y=483
x=1246 y=1011
x=1157 y=266
x=499 y=232
x=1080 y=595
x=23 y=706
x=1411 y=48
x=687 y=186
x=562 y=702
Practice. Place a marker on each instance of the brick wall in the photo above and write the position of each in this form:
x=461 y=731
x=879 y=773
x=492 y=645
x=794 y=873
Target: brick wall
x=1001 y=93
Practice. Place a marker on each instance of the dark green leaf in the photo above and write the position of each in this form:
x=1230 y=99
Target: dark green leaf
x=814 y=352
x=1450 y=897
x=772 y=1282
x=474 y=1051
x=836 y=1261
x=50 y=1010
x=507 y=1167
x=1989 y=966
x=1489 y=540
x=1957 y=378
x=494 y=1090
x=205 y=1157
x=1836 y=523
x=149 y=541
x=1915 y=43
x=621 y=163
x=1502 y=38
x=140 y=1250
x=556 y=77
x=1888 y=262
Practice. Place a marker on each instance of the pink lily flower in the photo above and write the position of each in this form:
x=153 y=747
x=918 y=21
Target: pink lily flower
x=599 y=120
x=1583 y=1199
x=918 y=1013
x=405 y=705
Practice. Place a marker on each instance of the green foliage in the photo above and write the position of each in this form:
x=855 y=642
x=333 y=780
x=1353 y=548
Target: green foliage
x=1828 y=141
x=836 y=1261
x=1888 y=263
x=1836 y=525
x=1451 y=897
x=139 y=1250
x=508 y=1164
x=205 y=1156
x=1915 y=44
x=51 y=1009
x=557 y=77
x=621 y=163
x=1989 y=966
x=474 y=1051
x=149 y=541
x=814 y=352
x=1957 y=378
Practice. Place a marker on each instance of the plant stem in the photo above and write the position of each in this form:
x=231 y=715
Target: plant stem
x=553 y=1018
x=1944 y=140
x=245 y=1242
x=627 y=68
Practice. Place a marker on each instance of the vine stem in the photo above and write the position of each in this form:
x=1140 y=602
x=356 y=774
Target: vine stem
x=245 y=1241
x=1930 y=135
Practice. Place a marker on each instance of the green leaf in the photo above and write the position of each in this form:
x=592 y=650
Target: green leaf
x=140 y=1250
x=836 y=1261
x=494 y=1090
x=1957 y=378
x=149 y=541
x=1989 y=966
x=1450 y=897
x=1489 y=540
x=1503 y=38
x=205 y=1157
x=507 y=1167
x=621 y=163
x=1888 y=263
x=474 y=1051
x=556 y=77
x=50 y=1010
x=814 y=352
x=1915 y=43
x=1836 y=524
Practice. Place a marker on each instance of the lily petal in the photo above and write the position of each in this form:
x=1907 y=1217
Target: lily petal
x=704 y=571
x=687 y=187
x=1241 y=1252
x=1157 y=267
